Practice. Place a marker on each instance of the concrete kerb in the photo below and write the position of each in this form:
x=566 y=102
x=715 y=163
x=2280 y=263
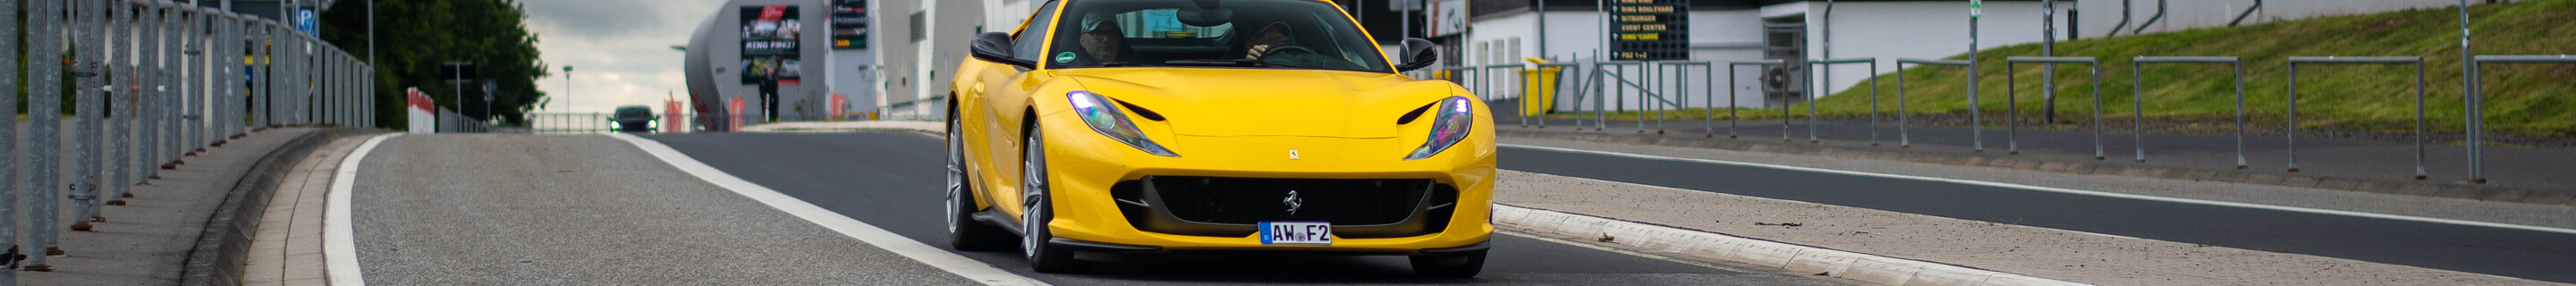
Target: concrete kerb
x=2486 y=193
x=1714 y=246
x=222 y=247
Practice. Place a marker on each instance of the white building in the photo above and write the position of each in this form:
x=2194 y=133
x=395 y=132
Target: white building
x=920 y=40
x=1720 y=31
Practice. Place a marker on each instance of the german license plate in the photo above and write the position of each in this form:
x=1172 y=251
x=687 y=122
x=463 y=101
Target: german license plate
x=1297 y=232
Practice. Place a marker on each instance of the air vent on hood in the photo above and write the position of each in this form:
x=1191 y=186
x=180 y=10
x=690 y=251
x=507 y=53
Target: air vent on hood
x=1409 y=116
x=1140 y=111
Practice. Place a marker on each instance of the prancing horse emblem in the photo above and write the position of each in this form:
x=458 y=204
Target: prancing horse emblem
x=1293 y=202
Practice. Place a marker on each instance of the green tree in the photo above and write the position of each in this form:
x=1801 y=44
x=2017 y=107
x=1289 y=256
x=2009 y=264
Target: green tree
x=414 y=37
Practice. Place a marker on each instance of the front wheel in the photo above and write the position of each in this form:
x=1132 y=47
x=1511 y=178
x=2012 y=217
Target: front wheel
x=964 y=233
x=1036 y=211
x=1449 y=266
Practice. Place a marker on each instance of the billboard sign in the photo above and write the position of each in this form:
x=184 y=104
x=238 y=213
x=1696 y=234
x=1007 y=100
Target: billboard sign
x=769 y=44
x=849 y=24
x=1650 y=30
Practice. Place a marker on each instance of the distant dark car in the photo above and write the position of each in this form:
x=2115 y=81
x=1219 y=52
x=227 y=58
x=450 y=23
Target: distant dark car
x=634 y=119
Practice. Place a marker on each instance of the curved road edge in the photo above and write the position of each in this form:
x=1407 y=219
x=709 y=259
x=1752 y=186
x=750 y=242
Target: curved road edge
x=339 y=245
x=845 y=225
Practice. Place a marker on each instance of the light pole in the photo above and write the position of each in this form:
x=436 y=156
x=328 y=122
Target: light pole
x=568 y=95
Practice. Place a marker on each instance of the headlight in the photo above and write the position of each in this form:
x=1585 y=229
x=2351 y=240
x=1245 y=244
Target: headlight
x=652 y=124
x=1456 y=117
x=1103 y=116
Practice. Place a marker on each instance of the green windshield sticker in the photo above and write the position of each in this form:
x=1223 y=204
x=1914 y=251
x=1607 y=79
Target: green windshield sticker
x=1065 y=57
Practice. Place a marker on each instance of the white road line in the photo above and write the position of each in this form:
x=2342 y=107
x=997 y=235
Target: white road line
x=847 y=226
x=2056 y=190
x=339 y=252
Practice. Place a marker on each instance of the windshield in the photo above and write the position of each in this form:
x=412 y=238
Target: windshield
x=1234 y=33
x=634 y=112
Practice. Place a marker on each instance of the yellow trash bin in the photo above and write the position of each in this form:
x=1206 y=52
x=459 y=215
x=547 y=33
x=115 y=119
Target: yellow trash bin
x=1538 y=88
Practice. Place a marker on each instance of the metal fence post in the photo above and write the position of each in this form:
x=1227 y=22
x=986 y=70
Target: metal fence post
x=2476 y=117
x=44 y=114
x=2137 y=71
x=1676 y=98
x=97 y=65
x=191 y=74
x=272 y=84
x=2294 y=97
x=155 y=90
x=120 y=127
x=1732 y=120
x=2051 y=62
x=1873 y=97
x=9 y=132
x=1904 y=139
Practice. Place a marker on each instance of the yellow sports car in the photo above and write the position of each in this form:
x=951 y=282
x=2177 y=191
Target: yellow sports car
x=1154 y=126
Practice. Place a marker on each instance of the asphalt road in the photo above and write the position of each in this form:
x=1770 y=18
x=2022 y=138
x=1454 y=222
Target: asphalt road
x=892 y=180
x=2545 y=256
x=585 y=210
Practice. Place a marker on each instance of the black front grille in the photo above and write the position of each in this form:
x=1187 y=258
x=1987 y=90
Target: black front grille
x=1218 y=206
x=1248 y=201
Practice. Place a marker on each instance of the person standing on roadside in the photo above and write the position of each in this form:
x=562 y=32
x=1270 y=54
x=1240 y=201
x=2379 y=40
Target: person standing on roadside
x=769 y=92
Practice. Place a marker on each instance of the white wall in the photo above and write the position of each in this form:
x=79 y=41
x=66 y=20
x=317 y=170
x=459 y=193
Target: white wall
x=1720 y=37
x=1892 y=30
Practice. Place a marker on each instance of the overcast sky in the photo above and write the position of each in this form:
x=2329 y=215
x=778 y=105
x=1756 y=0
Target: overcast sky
x=619 y=49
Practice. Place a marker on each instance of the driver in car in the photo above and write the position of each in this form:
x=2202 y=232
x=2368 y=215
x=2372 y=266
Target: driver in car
x=1102 y=42
x=1273 y=36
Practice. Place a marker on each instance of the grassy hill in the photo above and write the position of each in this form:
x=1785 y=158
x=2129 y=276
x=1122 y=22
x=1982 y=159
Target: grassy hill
x=2522 y=99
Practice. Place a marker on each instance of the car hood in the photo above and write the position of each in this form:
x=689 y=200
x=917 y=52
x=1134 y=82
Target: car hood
x=1267 y=102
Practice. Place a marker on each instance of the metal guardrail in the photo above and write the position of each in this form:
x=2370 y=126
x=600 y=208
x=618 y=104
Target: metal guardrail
x=1873 y=98
x=1733 y=121
x=2012 y=113
x=2477 y=102
x=2137 y=94
x=1903 y=140
x=2340 y=60
x=1680 y=87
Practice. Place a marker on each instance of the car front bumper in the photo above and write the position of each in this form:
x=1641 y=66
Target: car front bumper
x=1105 y=192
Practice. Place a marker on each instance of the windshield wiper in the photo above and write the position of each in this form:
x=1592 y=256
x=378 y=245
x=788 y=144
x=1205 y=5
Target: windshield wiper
x=1221 y=62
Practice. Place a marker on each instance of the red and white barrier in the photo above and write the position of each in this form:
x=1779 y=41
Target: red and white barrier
x=424 y=111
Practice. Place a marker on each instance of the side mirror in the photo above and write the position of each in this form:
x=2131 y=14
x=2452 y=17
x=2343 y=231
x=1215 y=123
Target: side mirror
x=1416 y=54
x=996 y=47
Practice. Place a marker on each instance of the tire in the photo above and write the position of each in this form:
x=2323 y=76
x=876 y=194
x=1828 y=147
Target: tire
x=1449 y=266
x=964 y=233
x=1037 y=209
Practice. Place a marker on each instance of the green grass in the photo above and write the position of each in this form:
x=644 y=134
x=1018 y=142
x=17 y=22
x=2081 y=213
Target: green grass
x=2523 y=99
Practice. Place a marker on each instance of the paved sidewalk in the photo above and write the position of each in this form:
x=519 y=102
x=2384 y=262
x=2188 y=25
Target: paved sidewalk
x=288 y=247
x=147 y=241
x=2524 y=175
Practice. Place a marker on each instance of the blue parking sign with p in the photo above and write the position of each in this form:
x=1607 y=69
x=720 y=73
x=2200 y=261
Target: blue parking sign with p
x=306 y=20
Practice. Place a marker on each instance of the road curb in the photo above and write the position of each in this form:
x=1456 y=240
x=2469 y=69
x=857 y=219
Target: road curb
x=2441 y=190
x=222 y=248
x=1694 y=244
